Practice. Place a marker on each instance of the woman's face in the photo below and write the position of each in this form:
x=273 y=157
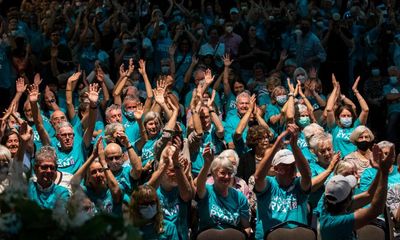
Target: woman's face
x=325 y=152
x=364 y=137
x=238 y=88
x=152 y=127
x=49 y=97
x=13 y=143
x=222 y=177
x=252 y=32
x=345 y=114
x=263 y=142
x=97 y=178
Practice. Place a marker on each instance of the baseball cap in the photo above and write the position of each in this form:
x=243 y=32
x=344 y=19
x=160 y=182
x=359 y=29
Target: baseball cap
x=234 y=10
x=283 y=156
x=339 y=187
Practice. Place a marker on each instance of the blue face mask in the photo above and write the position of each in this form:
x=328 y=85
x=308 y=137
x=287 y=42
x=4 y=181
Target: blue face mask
x=148 y=212
x=346 y=121
x=165 y=69
x=393 y=80
x=375 y=72
x=281 y=99
x=129 y=114
x=301 y=78
x=304 y=121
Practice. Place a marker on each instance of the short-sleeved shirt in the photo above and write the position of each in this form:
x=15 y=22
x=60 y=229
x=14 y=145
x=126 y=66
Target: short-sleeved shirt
x=231 y=122
x=70 y=161
x=341 y=139
x=216 y=211
x=316 y=169
x=125 y=181
x=47 y=198
x=103 y=201
x=175 y=212
x=369 y=174
x=272 y=110
x=334 y=227
x=276 y=205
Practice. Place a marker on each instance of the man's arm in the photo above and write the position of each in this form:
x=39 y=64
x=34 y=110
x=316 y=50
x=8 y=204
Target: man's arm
x=37 y=117
x=93 y=96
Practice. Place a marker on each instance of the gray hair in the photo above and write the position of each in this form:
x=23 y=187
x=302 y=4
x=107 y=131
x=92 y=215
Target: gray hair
x=230 y=153
x=360 y=130
x=112 y=107
x=131 y=98
x=222 y=162
x=63 y=124
x=316 y=139
x=45 y=153
x=4 y=152
x=311 y=130
x=242 y=94
x=385 y=144
x=152 y=116
x=343 y=166
x=110 y=130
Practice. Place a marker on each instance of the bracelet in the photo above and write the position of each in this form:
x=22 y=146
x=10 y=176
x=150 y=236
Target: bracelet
x=291 y=95
x=212 y=110
x=68 y=90
x=129 y=147
x=355 y=92
x=105 y=169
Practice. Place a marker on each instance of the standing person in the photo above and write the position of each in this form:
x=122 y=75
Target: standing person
x=231 y=40
x=335 y=221
x=391 y=91
x=283 y=197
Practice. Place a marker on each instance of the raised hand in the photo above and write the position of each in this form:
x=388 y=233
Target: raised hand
x=25 y=132
x=93 y=94
x=20 y=85
x=283 y=56
x=138 y=113
x=100 y=75
x=123 y=139
x=33 y=92
x=208 y=154
x=290 y=86
x=122 y=71
x=210 y=101
x=312 y=73
x=74 y=77
x=37 y=80
x=294 y=132
x=334 y=161
x=100 y=153
x=299 y=89
x=131 y=67
x=387 y=162
x=208 y=77
x=227 y=60
x=142 y=67
x=334 y=81
x=195 y=60
x=172 y=49
x=355 y=85
x=174 y=108
x=253 y=100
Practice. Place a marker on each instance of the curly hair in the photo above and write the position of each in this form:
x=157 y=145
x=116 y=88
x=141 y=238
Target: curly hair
x=255 y=133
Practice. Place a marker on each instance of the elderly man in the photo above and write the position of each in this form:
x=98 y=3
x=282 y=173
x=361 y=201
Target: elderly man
x=283 y=197
x=70 y=147
x=44 y=191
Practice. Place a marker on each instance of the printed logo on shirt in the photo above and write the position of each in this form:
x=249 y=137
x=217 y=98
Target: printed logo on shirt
x=342 y=134
x=220 y=215
x=170 y=209
x=65 y=162
x=302 y=143
x=278 y=204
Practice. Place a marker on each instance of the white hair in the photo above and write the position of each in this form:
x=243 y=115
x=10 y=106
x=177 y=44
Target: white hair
x=385 y=144
x=222 y=162
x=311 y=130
x=242 y=94
x=360 y=130
x=5 y=152
x=316 y=139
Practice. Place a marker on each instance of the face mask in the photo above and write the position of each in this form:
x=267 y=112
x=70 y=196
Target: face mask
x=221 y=21
x=375 y=72
x=304 y=121
x=164 y=69
x=281 y=99
x=301 y=78
x=363 y=145
x=125 y=41
x=129 y=114
x=229 y=29
x=320 y=24
x=346 y=121
x=200 y=31
x=148 y=212
x=393 y=80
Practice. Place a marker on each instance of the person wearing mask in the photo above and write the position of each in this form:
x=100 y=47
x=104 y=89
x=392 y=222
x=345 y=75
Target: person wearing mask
x=343 y=212
x=283 y=197
x=231 y=40
x=363 y=139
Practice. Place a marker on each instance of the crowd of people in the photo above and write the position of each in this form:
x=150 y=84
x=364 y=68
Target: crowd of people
x=195 y=119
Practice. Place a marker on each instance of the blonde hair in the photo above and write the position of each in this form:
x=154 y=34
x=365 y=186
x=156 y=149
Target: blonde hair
x=5 y=153
x=342 y=166
x=222 y=162
x=360 y=130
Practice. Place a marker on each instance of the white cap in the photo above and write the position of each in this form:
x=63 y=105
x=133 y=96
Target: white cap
x=283 y=156
x=339 y=187
x=234 y=10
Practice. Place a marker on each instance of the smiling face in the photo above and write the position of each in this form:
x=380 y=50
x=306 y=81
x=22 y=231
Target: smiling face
x=152 y=127
x=57 y=117
x=222 y=177
x=238 y=87
x=65 y=136
x=242 y=104
x=96 y=176
x=46 y=172
x=325 y=152
x=12 y=143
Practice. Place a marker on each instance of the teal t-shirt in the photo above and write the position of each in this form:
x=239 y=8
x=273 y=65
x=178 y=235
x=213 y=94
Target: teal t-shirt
x=230 y=102
x=341 y=139
x=369 y=174
x=126 y=182
x=103 y=201
x=276 y=205
x=231 y=122
x=209 y=137
x=272 y=110
x=337 y=227
x=218 y=212
x=316 y=169
x=147 y=152
x=175 y=212
x=70 y=161
x=47 y=198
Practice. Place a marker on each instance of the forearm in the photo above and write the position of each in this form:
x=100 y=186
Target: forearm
x=242 y=124
x=149 y=90
x=197 y=122
x=202 y=179
x=155 y=177
x=185 y=189
x=218 y=124
x=301 y=162
x=87 y=137
x=318 y=181
x=172 y=121
x=136 y=163
x=290 y=110
x=119 y=86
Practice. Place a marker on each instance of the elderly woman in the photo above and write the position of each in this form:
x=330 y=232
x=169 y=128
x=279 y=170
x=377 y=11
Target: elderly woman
x=221 y=206
x=363 y=138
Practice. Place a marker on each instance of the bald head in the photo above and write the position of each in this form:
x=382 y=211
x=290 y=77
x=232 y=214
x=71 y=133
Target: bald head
x=112 y=148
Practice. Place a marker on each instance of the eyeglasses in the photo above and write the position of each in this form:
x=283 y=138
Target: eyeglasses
x=45 y=167
x=114 y=158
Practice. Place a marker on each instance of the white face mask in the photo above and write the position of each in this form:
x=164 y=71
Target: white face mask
x=148 y=212
x=229 y=29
